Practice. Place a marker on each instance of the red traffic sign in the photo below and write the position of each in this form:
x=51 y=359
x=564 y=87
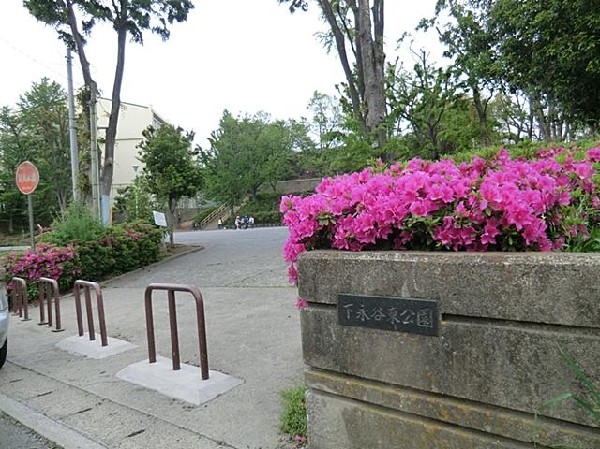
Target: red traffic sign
x=27 y=177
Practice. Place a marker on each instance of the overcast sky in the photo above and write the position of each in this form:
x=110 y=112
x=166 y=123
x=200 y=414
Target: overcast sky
x=242 y=55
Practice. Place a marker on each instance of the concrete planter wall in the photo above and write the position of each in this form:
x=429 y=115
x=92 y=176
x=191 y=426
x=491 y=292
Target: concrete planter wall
x=476 y=384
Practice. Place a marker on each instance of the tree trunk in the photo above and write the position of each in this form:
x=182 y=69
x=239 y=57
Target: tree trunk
x=484 y=136
x=340 y=45
x=372 y=58
x=171 y=207
x=538 y=111
x=111 y=131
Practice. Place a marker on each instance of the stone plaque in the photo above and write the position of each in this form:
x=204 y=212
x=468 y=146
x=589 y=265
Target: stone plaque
x=416 y=316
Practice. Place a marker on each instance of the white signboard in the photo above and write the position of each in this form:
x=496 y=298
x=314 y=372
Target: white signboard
x=159 y=218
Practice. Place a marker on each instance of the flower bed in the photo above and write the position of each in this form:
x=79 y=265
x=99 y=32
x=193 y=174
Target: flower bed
x=549 y=203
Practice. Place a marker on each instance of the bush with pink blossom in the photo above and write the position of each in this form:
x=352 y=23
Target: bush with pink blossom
x=50 y=261
x=551 y=202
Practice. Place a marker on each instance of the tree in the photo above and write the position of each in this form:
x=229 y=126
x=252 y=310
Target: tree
x=248 y=152
x=470 y=44
x=36 y=131
x=551 y=50
x=419 y=100
x=326 y=120
x=170 y=167
x=357 y=34
x=128 y=18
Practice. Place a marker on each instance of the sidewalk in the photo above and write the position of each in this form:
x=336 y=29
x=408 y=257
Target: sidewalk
x=252 y=334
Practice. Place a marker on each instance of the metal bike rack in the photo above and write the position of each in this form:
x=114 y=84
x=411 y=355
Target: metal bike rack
x=171 y=289
x=87 y=287
x=20 y=298
x=48 y=291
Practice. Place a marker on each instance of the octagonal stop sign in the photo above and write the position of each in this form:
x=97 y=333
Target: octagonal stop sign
x=27 y=177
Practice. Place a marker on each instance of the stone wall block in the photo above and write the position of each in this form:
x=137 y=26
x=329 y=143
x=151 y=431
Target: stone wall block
x=496 y=360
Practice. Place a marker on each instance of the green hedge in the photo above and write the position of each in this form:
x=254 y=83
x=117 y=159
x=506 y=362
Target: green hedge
x=122 y=248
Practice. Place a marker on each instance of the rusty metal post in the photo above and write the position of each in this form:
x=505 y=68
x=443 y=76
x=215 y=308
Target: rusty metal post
x=88 y=286
x=49 y=287
x=20 y=298
x=41 y=298
x=174 y=333
x=171 y=289
x=77 y=291
x=150 y=325
x=90 y=314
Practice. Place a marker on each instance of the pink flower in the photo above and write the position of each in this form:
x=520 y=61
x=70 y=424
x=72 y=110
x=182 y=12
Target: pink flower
x=301 y=303
x=431 y=205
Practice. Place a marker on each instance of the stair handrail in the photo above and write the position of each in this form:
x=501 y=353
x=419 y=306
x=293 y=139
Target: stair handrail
x=217 y=212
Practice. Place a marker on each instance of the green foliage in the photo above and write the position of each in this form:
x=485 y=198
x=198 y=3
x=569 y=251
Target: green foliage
x=124 y=248
x=264 y=207
x=171 y=170
x=293 y=416
x=327 y=120
x=248 y=152
x=551 y=47
x=135 y=202
x=77 y=224
x=120 y=249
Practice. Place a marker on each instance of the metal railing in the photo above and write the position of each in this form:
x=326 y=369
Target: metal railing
x=87 y=287
x=48 y=292
x=217 y=213
x=171 y=289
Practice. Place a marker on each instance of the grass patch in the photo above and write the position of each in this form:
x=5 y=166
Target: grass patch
x=293 y=416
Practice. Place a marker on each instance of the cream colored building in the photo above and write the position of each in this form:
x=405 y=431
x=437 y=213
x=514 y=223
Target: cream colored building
x=133 y=119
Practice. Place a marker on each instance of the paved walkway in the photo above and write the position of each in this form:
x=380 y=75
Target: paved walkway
x=252 y=332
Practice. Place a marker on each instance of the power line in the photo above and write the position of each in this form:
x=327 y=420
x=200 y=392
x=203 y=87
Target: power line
x=54 y=70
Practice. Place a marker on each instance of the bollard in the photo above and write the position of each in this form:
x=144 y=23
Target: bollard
x=48 y=291
x=20 y=298
x=87 y=286
x=171 y=289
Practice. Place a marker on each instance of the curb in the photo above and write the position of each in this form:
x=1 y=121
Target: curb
x=48 y=428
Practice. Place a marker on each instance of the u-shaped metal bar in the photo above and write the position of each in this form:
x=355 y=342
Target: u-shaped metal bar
x=171 y=289
x=48 y=291
x=20 y=298
x=87 y=287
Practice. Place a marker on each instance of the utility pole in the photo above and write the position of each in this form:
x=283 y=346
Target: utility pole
x=95 y=166
x=72 y=128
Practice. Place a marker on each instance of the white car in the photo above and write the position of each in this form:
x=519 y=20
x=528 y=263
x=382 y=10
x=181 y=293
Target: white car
x=3 y=323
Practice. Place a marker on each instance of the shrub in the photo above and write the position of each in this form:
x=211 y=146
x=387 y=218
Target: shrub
x=124 y=248
x=58 y=263
x=121 y=249
x=76 y=225
x=550 y=203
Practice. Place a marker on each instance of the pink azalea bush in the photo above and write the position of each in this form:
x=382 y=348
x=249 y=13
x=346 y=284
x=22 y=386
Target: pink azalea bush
x=496 y=205
x=50 y=261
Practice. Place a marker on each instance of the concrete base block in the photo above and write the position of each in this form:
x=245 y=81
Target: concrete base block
x=93 y=348
x=185 y=384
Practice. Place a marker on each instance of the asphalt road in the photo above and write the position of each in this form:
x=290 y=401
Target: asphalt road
x=230 y=258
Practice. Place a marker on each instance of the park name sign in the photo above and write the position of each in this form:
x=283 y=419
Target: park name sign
x=27 y=177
